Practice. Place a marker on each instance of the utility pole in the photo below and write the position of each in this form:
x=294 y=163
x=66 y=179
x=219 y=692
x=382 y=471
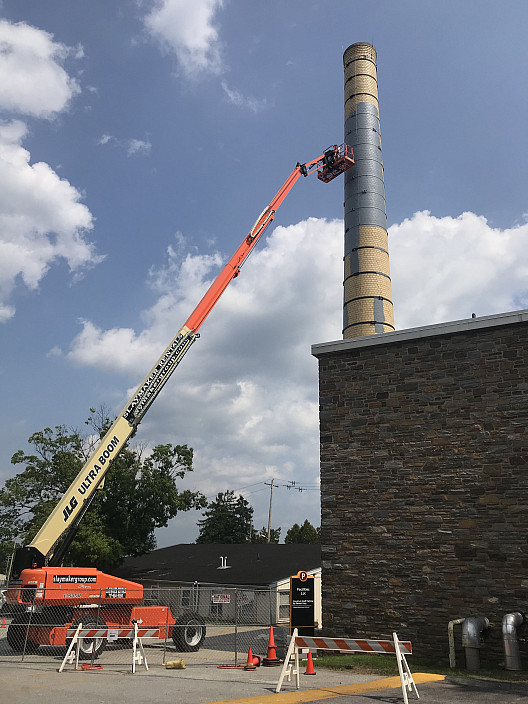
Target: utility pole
x=270 y=484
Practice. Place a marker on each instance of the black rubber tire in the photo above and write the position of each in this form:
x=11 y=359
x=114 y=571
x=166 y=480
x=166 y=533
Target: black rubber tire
x=16 y=635
x=188 y=633
x=89 y=647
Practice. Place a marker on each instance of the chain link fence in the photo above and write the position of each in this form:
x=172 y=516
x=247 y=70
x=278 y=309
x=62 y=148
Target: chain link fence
x=203 y=625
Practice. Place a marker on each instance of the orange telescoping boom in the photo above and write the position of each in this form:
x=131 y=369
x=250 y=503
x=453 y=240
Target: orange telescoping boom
x=34 y=564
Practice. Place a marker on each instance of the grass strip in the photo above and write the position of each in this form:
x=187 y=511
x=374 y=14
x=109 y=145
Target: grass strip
x=386 y=666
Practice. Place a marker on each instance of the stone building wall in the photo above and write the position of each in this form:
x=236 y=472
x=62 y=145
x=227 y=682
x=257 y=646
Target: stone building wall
x=424 y=481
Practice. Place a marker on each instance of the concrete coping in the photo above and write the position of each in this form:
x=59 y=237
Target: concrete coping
x=387 y=338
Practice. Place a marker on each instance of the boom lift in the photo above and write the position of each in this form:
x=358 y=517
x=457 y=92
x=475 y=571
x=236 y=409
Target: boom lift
x=52 y=598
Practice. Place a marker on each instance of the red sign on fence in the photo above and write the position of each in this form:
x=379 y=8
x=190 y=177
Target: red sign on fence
x=221 y=598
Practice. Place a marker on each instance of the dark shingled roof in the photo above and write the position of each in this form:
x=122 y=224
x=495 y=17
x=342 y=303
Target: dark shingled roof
x=248 y=563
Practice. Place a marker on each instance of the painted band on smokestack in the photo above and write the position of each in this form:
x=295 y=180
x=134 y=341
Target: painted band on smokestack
x=368 y=294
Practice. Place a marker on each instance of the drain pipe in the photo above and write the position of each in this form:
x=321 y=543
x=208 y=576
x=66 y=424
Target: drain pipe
x=472 y=629
x=510 y=622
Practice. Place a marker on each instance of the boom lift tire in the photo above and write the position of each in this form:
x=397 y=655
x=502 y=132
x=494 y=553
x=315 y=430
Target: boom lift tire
x=16 y=634
x=188 y=633
x=89 y=647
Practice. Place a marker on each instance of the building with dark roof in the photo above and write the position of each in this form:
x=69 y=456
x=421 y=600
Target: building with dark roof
x=212 y=578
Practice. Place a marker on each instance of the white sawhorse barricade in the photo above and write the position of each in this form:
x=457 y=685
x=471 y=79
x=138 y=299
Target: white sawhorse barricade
x=111 y=634
x=347 y=645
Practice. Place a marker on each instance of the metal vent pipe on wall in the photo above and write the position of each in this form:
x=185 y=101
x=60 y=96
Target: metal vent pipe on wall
x=472 y=629
x=367 y=284
x=510 y=623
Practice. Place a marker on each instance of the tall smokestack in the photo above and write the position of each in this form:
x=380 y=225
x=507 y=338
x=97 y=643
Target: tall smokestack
x=368 y=294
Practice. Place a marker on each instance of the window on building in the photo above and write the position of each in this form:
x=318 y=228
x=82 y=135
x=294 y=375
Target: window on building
x=284 y=605
x=186 y=598
x=216 y=610
x=151 y=594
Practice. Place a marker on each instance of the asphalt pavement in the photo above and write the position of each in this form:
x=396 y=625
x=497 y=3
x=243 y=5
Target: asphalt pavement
x=21 y=683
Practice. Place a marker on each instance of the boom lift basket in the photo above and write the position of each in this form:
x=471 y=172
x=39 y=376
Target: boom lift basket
x=337 y=160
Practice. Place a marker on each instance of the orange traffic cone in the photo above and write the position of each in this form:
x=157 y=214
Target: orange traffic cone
x=309 y=665
x=271 y=659
x=250 y=665
x=3 y=623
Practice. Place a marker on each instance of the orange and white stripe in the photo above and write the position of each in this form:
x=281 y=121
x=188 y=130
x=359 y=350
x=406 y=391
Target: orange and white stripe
x=112 y=633
x=348 y=645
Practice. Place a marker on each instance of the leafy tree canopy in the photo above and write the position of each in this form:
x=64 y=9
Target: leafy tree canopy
x=138 y=496
x=228 y=519
x=303 y=534
x=261 y=536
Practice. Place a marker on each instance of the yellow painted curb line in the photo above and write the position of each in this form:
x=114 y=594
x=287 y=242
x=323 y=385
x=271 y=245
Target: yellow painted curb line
x=311 y=695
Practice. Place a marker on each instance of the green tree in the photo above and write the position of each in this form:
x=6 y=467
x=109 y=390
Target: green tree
x=303 y=534
x=228 y=519
x=261 y=536
x=6 y=547
x=138 y=496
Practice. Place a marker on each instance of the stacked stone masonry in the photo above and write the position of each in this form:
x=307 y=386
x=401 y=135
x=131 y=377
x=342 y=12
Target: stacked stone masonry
x=424 y=486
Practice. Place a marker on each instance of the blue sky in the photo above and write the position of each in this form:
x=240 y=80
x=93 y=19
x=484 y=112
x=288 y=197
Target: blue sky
x=140 y=140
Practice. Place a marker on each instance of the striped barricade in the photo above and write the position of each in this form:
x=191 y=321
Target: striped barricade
x=349 y=645
x=113 y=633
x=134 y=632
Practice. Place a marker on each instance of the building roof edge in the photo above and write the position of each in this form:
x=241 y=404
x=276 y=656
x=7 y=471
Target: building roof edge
x=387 y=338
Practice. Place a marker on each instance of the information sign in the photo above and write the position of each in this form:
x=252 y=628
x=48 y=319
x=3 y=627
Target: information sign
x=302 y=603
x=221 y=598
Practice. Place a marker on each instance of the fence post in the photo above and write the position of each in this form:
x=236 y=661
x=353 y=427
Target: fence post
x=98 y=615
x=236 y=626
x=28 y=627
x=166 y=632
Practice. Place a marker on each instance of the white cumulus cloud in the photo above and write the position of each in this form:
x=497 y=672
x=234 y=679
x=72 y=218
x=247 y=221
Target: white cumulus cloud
x=448 y=268
x=102 y=347
x=32 y=79
x=240 y=100
x=41 y=219
x=246 y=396
x=130 y=146
x=138 y=146
x=186 y=27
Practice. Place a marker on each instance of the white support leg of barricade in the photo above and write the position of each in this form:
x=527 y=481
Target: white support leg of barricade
x=406 y=678
x=71 y=656
x=291 y=663
x=138 y=654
